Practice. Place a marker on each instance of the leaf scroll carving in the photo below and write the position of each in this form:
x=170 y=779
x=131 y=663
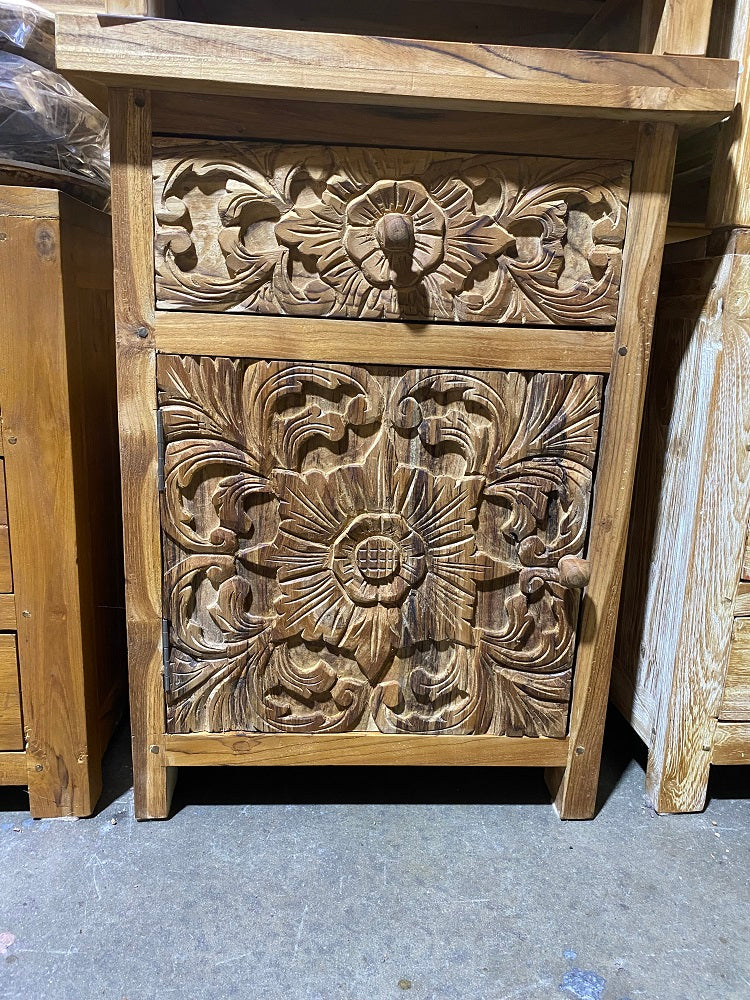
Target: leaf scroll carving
x=385 y=233
x=351 y=548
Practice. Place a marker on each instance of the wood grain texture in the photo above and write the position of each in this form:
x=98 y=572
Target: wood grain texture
x=132 y=226
x=361 y=233
x=58 y=321
x=360 y=749
x=6 y=569
x=371 y=342
x=735 y=704
x=652 y=174
x=676 y=26
x=731 y=743
x=13 y=768
x=171 y=55
x=11 y=728
x=693 y=495
x=742 y=599
x=374 y=125
x=7 y=613
x=372 y=548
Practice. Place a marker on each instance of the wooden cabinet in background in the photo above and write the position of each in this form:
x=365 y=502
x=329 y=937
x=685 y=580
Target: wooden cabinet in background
x=61 y=589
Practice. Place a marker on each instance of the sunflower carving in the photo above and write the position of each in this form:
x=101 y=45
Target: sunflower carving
x=393 y=234
x=371 y=548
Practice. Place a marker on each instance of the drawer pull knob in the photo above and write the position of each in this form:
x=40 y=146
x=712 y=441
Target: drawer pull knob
x=574 y=572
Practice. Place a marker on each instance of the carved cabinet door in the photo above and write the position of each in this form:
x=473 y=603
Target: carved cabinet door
x=372 y=548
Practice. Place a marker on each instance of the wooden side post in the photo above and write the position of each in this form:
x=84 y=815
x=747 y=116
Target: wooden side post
x=676 y=27
x=132 y=224
x=576 y=785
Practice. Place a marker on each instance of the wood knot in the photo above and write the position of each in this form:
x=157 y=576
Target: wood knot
x=46 y=245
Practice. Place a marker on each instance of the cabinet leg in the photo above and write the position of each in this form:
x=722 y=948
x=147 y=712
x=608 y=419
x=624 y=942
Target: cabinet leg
x=153 y=784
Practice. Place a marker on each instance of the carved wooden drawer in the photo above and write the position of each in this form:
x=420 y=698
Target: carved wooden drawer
x=357 y=232
x=372 y=548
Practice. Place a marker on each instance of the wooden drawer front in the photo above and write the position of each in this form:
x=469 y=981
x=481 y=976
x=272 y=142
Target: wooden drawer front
x=736 y=703
x=6 y=575
x=11 y=728
x=351 y=548
x=392 y=234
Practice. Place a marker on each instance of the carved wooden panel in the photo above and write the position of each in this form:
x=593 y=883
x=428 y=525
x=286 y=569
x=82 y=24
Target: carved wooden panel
x=351 y=548
x=384 y=233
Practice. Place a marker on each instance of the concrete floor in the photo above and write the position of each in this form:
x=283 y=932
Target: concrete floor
x=362 y=885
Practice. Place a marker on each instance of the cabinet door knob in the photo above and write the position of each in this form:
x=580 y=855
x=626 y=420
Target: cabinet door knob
x=574 y=572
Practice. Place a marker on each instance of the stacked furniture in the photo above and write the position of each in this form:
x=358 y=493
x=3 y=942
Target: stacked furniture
x=384 y=313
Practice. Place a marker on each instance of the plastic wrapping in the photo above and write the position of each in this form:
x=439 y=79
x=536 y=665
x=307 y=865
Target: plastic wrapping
x=28 y=30
x=44 y=120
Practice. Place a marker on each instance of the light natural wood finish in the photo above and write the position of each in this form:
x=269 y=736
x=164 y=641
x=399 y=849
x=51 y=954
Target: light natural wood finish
x=7 y=613
x=731 y=743
x=361 y=749
x=652 y=175
x=11 y=730
x=370 y=342
x=742 y=600
x=691 y=507
x=430 y=574
x=403 y=234
x=729 y=193
x=746 y=559
x=6 y=570
x=136 y=381
x=676 y=26
x=310 y=121
x=58 y=408
x=735 y=705
x=171 y=55
x=13 y=768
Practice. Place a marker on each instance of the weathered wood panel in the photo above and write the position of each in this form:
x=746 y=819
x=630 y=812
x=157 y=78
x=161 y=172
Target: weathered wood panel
x=735 y=705
x=6 y=569
x=366 y=233
x=351 y=548
x=11 y=730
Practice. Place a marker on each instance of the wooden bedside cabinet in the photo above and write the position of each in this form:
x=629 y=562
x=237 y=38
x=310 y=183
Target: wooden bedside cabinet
x=384 y=318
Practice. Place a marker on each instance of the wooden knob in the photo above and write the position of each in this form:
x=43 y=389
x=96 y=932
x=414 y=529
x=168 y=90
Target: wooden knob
x=574 y=572
x=396 y=232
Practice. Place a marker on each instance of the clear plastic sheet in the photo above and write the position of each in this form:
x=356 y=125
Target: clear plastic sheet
x=28 y=30
x=44 y=120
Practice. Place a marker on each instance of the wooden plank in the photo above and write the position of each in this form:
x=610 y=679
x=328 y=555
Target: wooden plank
x=7 y=613
x=361 y=749
x=676 y=26
x=11 y=728
x=171 y=55
x=652 y=174
x=374 y=342
x=735 y=705
x=6 y=571
x=132 y=225
x=742 y=600
x=746 y=558
x=731 y=743
x=311 y=121
x=44 y=315
x=693 y=499
x=13 y=768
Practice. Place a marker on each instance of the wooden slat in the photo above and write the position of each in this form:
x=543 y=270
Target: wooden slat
x=311 y=121
x=690 y=510
x=362 y=748
x=374 y=342
x=6 y=571
x=735 y=706
x=652 y=174
x=746 y=558
x=731 y=743
x=676 y=26
x=171 y=55
x=7 y=613
x=132 y=225
x=742 y=600
x=11 y=728
x=13 y=768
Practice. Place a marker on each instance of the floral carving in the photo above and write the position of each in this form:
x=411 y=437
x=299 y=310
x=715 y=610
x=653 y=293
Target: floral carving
x=395 y=234
x=364 y=548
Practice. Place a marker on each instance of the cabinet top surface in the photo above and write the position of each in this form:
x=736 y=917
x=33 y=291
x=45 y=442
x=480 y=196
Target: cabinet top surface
x=220 y=59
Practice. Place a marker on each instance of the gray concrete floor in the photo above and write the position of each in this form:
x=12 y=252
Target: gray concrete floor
x=376 y=884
